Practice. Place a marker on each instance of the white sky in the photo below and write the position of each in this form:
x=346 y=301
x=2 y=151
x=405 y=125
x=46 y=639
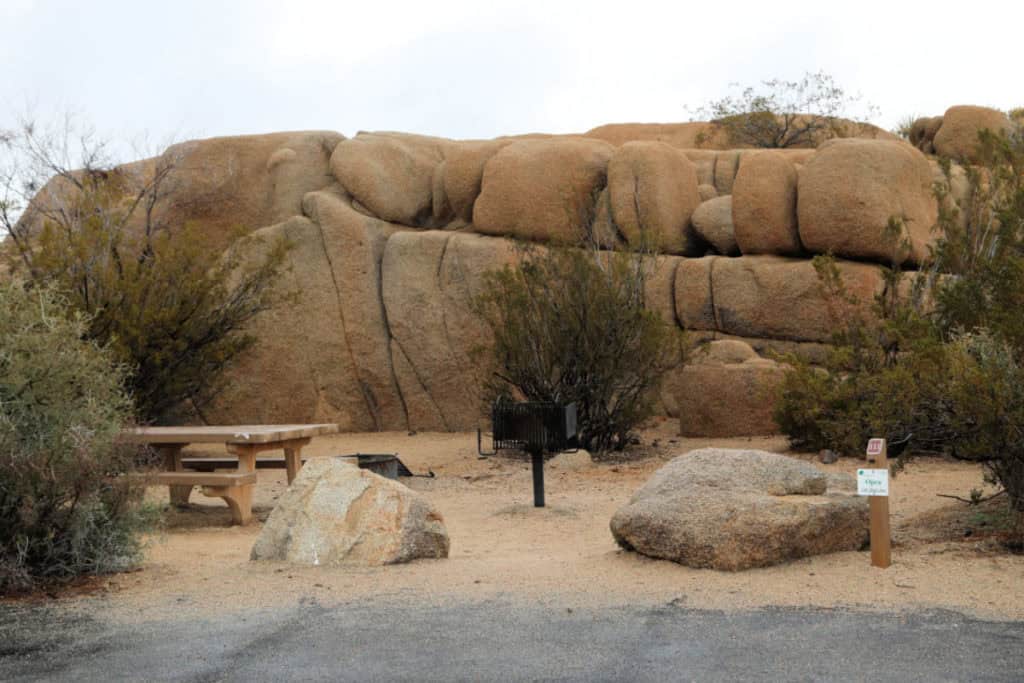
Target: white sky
x=191 y=68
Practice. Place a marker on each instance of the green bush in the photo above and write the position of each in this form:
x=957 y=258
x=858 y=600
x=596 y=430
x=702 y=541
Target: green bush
x=64 y=511
x=986 y=396
x=570 y=325
x=884 y=375
x=172 y=308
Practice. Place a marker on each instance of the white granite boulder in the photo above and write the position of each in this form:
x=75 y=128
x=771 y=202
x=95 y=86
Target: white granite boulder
x=737 y=509
x=337 y=514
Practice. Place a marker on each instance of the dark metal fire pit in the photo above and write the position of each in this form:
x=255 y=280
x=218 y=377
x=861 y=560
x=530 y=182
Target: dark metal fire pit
x=536 y=427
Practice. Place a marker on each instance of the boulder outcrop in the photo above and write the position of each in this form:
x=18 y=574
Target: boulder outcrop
x=764 y=205
x=653 y=193
x=851 y=191
x=728 y=390
x=337 y=514
x=542 y=190
x=957 y=136
x=738 y=509
x=392 y=234
x=392 y=175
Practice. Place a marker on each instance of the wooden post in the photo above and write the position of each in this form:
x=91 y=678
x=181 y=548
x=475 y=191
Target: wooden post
x=881 y=541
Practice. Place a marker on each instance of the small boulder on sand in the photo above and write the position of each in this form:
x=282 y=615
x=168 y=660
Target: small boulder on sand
x=337 y=514
x=737 y=509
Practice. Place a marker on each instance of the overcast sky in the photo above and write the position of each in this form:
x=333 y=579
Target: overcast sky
x=464 y=69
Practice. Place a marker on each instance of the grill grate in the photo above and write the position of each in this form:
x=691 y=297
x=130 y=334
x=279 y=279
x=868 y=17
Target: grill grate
x=535 y=427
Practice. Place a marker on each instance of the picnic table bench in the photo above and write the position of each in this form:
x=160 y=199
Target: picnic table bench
x=241 y=441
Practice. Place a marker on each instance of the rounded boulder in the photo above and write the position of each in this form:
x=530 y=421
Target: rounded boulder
x=957 y=137
x=764 y=205
x=542 y=189
x=851 y=190
x=653 y=189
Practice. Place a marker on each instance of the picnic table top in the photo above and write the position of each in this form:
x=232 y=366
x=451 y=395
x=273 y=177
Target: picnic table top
x=230 y=433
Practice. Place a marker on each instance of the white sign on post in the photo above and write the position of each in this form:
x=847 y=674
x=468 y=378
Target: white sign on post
x=872 y=482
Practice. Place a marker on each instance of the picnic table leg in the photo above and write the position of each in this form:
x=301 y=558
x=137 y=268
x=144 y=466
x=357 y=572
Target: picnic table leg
x=172 y=463
x=238 y=498
x=293 y=456
x=293 y=461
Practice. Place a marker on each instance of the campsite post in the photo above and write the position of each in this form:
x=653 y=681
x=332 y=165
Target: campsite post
x=874 y=483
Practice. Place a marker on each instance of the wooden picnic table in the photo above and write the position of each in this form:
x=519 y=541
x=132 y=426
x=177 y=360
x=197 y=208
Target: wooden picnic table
x=241 y=441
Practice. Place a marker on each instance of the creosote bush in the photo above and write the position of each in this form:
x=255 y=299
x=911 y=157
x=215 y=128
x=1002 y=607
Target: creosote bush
x=64 y=509
x=570 y=325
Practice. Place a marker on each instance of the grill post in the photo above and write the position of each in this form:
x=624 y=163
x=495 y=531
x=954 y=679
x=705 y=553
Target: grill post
x=537 y=456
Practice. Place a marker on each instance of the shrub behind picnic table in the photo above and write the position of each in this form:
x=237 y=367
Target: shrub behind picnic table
x=64 y=512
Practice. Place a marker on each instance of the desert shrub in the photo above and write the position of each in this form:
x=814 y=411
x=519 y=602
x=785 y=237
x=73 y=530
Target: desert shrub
x=883 y=376
x=985 y=252
x=783 y=114
x=64 y=511
x=167 y=305
x=570 y=325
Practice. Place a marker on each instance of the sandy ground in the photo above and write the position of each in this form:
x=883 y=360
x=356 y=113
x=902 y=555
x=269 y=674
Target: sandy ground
x=502 y=548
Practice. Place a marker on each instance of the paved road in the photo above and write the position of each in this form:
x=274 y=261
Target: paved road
x=498 y=641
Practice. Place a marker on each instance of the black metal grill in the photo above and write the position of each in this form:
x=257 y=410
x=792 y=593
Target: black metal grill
x=535 y=427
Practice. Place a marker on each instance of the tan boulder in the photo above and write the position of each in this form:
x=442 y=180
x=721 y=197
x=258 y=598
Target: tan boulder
x=688 y=135
x=301 y=368
x=764 y=205
x=695 y=308
x=659 y=294
x=706 y=192
x=782 y=298
x=653 y=192
x=732 y=510
x=542 y=189
x=726 y=351
x=354 y=245
x=392 y=175
x=335 y=514
x=850 y=191
x=244 y=181
x=464 y=172
x=728 y=391
x=726 y=166
x=712 y=220
x=704 y=161
x=957 y=137
x=429 y=279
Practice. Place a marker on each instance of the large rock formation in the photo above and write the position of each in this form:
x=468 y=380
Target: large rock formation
x=392 y=233
x=732 y=510
x=728 y=390
x=337 y=514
